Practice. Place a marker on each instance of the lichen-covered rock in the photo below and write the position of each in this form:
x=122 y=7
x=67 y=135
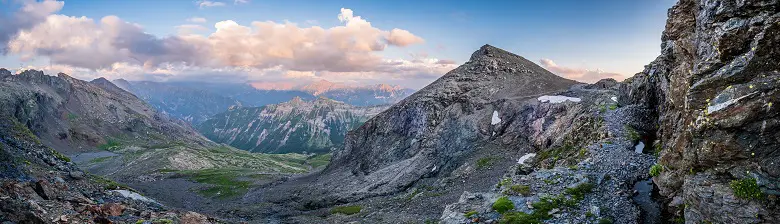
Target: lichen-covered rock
x=713 y=88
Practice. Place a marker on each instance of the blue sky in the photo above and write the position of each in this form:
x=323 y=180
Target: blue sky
x=612 y=36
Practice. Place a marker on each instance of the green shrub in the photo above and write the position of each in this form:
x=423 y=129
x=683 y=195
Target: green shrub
x=632 y=134
x=656 y=170
x=485 y=162
x=579 y=191
x=605 y=221
x=346 y=210
x=503 y=204
x=470 y=214
x=519 y=189
x=746 y=188
x=518 y=218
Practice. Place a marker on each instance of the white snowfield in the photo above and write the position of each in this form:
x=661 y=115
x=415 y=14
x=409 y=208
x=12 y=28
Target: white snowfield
x=558 y=99
x=525 y=157
x=495 y=120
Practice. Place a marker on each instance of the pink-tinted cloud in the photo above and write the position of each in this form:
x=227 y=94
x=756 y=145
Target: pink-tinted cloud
x=579 y=74
x=261 y=50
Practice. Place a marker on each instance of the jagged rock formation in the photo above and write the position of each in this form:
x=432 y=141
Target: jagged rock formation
x=295 y=126
x=713 y=89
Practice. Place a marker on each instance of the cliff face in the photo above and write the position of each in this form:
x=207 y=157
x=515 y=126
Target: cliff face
x=294 y=126
x=713 y=89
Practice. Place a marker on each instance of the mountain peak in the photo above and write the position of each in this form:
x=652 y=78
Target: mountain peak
x=488 y=51
x=4 y=73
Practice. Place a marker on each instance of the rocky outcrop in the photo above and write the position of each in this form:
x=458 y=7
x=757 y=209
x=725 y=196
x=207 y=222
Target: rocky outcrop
x=296 y=126
x=712 y=90
x=39 y=185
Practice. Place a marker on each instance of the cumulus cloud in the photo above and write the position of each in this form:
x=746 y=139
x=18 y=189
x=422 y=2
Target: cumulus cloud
x=30 y=14
x=196 y=20
x=402 y=38
x=579 y=74
x=260 y=50
x=207 y=3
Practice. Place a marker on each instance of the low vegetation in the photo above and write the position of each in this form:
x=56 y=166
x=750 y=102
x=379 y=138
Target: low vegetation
x=632 y=134
x=541 y=212
x=656 y=170
x=519 y=189
x=109 y=184
x=225 y=183
x=746 y=188
x=319 y=161
x=346 y=210
x=111 y=145
x=485 y=162
x=470 y=214
x=503 y=204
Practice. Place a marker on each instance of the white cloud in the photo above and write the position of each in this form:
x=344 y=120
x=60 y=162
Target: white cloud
x=579 y=74
x=196 y=20
x=236 y=2
x=207 y=3
x=262 y=50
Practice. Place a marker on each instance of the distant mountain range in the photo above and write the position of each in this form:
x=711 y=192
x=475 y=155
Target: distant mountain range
x=196 y=102
x=295 y=126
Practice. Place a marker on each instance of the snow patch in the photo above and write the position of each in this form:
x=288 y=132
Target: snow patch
x=525 y=157
x=558 y=99
x=133 y=195
x=614 y=98
x=495 y=120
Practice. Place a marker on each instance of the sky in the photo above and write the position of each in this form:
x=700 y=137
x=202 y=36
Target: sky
x=408 y=43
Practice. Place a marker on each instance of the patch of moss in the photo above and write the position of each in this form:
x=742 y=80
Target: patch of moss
x=110 y=184
x=470 y=214
x=485 y=162
x=225 y=182
x=519 y=218
x=656 y=170
x=504 y=182
x=101 y=159
x=319 y=160
x=605 y=221
x=632 y=134
x=746 y=188
x=658 y=149
x=110 y=145
x=60 y=156
x=519 y=189
x=346 y=210
x=503 y=204
x=579 y=191
x=162 y=221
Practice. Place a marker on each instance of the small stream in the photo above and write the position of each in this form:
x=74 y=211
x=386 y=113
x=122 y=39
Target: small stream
x=644 y=198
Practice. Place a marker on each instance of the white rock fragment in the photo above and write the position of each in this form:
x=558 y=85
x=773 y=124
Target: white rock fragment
x=525 y=157
x=558 y=99
x=495 y=120
x=614 y=98
x=133 y=195
x=723 y=105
